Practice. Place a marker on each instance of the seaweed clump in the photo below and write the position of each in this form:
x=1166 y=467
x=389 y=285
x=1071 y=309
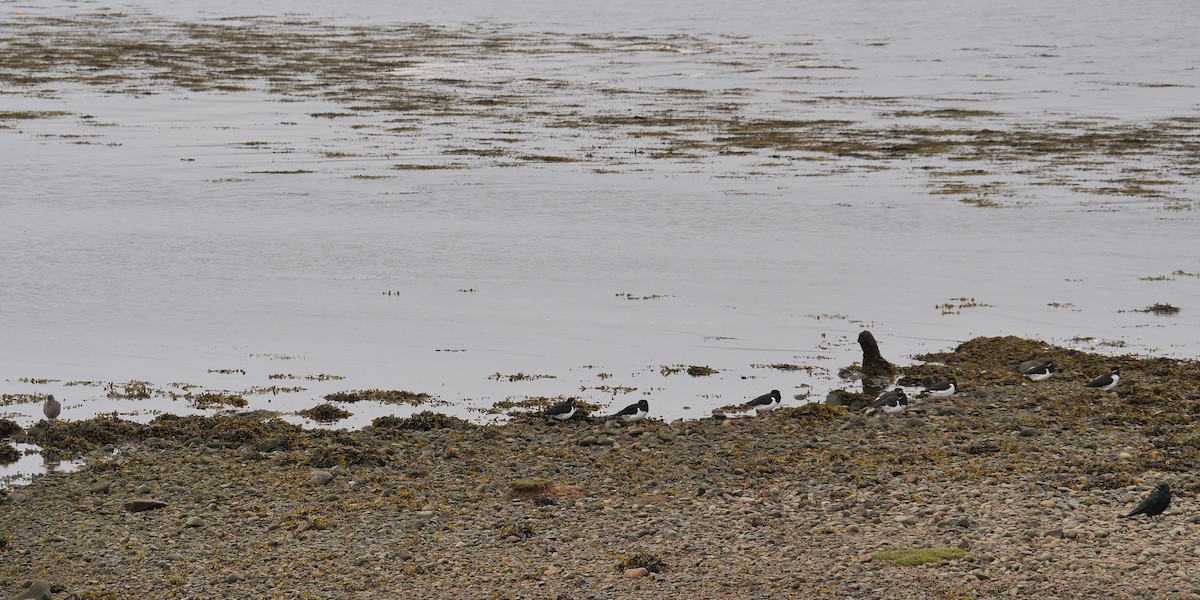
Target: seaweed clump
x=701 y=371
x=8 y=454
x=76 y=437
x=422 y=421
x=8 y=428
x=814 y=413
x=384 y=396
x=231 y=431
x=214 y=399
x=325 y=413
x=641 y=559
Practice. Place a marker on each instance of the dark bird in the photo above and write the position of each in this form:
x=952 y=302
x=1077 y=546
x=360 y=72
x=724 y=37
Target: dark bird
x=51 y=408
x=634 y=412
x=942 y=389
x=562 y=411
x=765 y=402
x=1154 y=504
x=1039 y=372
x=892 y=402
x=1106 y=381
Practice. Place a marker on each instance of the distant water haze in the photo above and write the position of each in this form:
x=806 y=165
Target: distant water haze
x=218 y=237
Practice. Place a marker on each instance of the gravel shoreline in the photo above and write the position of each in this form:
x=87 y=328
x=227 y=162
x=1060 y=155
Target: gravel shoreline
x=1027 y=478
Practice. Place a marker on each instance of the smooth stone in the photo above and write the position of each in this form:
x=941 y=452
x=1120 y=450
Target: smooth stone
x=100 y=487
x=234 y=578
x=320 y=477
x=636 y=573
x=194 y=522
x=173 y=556
x=1030 y=432
x=142 y=490
x=36 y=591
x=142 y=505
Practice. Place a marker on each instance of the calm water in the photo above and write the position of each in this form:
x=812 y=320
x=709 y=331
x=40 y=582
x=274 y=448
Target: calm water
x=167 y=235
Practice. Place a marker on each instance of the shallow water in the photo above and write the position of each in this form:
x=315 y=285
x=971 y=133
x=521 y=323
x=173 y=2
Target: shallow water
x=610 y=209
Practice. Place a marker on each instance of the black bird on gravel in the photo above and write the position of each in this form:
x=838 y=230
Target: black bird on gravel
x=1039 y=372
x=562 y=411
x=942 y=389
x=1106 y=381
x=1154 y=504
x=634 y=412
x=765 y=402
x=895 y=401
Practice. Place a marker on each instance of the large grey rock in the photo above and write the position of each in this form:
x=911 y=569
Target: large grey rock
x=144 y=504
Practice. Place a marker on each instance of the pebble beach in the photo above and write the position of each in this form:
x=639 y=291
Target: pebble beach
x=1008 y=488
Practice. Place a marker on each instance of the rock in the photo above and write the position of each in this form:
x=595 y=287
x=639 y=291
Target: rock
x=635 y=431
x=234 y=577
x=667 y=435
x=36 y=591
x=1030 y=432
x=194 y=522
x=173 y=556
x=320 y=477
x=636 y=573
x=1124 y=456
x=1048 y=503
x=100 y=487
x=915 y=422
x=142 y=505
x=142 y=490
x=588 y=441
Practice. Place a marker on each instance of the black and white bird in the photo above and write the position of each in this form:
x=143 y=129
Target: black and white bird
x=562 y=411
x=1154 y=504
x=634 y=412
x=1106 y=381
x=1039 y=372
x=765 y=402
x=891 y=402
x=943 y=389
x=51 y=408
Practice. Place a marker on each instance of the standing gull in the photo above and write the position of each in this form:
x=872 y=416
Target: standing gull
x=52 y=408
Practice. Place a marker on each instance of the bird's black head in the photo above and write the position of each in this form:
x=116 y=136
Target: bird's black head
x=900 y=392
x=1162 y=487
x=776 y=395
x=1115 y=370
x=643 y=405
x=1049 y=365
x=571 y=401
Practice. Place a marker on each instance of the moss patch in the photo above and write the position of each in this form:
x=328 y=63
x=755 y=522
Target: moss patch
x=907 y=557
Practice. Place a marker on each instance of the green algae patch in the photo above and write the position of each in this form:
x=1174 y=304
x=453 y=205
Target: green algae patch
x=908 y=557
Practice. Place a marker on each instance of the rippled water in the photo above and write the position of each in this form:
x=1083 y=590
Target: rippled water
x=590 y=192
